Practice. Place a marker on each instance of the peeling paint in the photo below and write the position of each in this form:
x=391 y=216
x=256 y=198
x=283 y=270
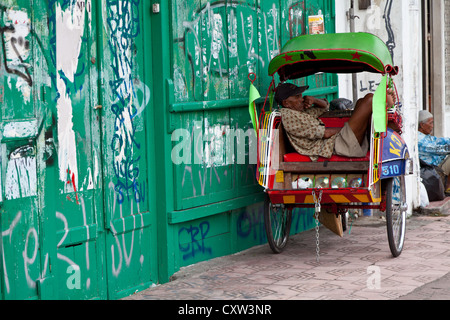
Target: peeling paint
x=21 y=179
x=69 y=33
x=17 y=50
x=67 y=152
x=20 y=129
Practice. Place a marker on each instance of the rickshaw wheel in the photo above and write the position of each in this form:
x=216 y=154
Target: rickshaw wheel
x=395 y=213
x=344 y=219
x=277 y=221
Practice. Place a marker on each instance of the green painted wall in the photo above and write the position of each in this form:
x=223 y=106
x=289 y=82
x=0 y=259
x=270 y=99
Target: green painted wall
x=214 y=204
x=95 y=97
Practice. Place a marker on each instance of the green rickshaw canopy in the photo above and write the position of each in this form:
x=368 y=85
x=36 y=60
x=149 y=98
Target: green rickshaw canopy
x=332 y=53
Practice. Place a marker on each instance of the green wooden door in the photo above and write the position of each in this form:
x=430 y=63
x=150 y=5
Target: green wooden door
x=24 y=259
x=78 y=194
x=127 y=145
x=77 y=215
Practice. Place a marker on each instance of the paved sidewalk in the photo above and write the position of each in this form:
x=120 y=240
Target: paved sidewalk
x=358 y=266
x=436 y=290
x=437 y=208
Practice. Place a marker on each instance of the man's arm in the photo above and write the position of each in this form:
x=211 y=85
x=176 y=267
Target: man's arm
x=434 y=145
x=323 y=104
x=320 y=103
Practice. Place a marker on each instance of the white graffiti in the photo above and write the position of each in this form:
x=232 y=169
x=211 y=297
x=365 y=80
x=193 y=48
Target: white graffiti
x=30 y=254
x=121 y=248
x=254 y=28
x=8 y=232
x=115 y=270
x=66 y=229
x=27 y=260
x=61 y=217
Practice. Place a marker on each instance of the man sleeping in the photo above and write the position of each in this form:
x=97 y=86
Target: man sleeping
x=308 y=134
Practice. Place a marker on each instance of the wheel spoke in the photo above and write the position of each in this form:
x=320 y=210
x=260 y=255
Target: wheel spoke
x=395 y=214
x=278 y=226
x=277 y=220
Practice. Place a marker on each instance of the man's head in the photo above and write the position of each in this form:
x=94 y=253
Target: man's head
x=426 y=122
x=288 y=94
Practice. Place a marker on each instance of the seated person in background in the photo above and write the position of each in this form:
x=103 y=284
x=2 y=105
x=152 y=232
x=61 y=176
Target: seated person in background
x=432 y=150
x=308 y=134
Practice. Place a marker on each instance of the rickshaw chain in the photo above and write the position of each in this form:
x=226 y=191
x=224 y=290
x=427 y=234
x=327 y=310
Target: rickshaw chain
x=316 y=216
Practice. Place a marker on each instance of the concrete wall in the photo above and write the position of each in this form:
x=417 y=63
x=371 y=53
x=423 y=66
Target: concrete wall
x=398 y=23
x=447 y=64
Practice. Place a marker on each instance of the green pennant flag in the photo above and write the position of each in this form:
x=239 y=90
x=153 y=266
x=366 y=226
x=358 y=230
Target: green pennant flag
x=379 y=107
x=253 y=95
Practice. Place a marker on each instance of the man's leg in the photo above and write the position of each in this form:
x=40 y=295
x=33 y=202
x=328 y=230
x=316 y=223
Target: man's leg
x=445 y=166
x=361 y=116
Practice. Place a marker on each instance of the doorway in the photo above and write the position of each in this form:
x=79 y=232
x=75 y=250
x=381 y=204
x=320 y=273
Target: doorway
x=434 y=62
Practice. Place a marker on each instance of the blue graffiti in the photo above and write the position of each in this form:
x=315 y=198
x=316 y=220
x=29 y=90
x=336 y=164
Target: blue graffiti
x=123 y=24
x=196 y=244
x=302 y=220
x=251 y=223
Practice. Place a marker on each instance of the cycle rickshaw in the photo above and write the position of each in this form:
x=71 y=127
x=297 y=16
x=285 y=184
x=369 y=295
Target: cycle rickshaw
x=333 y=186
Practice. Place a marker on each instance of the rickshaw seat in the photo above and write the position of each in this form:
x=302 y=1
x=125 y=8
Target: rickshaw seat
x=296 y=157
x=334 y=119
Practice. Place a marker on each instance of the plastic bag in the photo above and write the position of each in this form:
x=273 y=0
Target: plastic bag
x=432 y=182
x=424 y=202
x=341 y=104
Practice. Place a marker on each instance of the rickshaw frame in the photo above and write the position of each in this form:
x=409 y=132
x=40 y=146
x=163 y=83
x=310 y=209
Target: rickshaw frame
x=389 y=159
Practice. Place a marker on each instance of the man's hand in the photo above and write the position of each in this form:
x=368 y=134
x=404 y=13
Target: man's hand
x=329 y=132
x=309 y=101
